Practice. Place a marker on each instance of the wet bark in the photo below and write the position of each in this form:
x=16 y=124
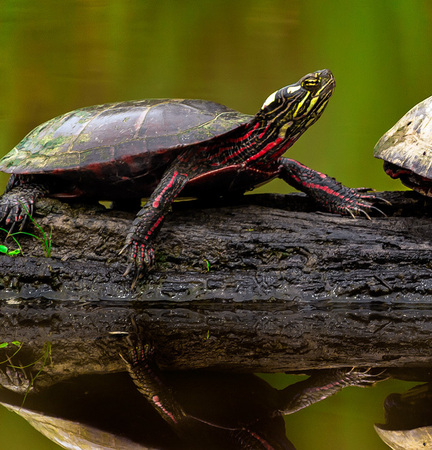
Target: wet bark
x=264 y=283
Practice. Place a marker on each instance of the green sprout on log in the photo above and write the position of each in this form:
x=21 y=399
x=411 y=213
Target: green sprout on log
x=207 y=263
x=8 y=344
x=6 y=251
x=45 y=238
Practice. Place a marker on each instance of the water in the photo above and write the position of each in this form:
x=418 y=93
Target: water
x=58 y=56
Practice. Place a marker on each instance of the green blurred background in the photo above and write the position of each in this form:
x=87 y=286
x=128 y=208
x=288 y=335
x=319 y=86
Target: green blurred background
x=56 y=56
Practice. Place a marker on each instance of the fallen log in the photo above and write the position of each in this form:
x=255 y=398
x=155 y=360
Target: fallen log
x=261 y=283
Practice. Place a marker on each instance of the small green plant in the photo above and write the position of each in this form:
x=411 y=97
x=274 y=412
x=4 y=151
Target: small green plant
x=44 y=358
x=207 y=265
x=44 y=238
x=6 y=251
x=8 y=344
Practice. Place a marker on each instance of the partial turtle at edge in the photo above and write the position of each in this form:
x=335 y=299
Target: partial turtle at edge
x=407 y=149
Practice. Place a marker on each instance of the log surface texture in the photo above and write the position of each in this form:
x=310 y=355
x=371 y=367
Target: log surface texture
x=264 y=283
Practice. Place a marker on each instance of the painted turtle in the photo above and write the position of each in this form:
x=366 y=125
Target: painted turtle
x=407 y=148
x=163 y=148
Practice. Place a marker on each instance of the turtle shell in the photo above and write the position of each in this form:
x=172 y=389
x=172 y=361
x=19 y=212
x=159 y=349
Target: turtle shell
x=126 y=138
x=72 y=435
x=408 y=144
x=418 y=438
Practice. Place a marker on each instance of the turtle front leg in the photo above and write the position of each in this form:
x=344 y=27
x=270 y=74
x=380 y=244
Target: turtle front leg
x=149 y=220
x=325 y=383
x=147 y=378
x=326 y=191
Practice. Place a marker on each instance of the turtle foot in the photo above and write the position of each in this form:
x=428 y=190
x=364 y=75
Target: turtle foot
x=365 y=377
x=15 y=206
x=141 y=257
x=356 y=202
x=18 y=202
x=15 y=379
x=139 y=355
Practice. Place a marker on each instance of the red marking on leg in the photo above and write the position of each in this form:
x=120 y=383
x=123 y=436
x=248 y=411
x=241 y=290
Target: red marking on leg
x=344 y=199
x=157 y=402
x=264 y=443
x=156 y=201
x=154 y=227
x=319 y=187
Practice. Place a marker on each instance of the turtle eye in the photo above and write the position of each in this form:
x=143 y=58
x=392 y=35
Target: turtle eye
x=311 y=83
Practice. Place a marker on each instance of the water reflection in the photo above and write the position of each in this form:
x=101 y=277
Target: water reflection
x=148 y=408
x=408 y=416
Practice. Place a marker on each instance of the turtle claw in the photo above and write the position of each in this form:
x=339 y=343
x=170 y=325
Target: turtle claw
x=138 y=274
x=371 y=196
x=141 y=257
x=363 y=189
x=383 y=200
x=378 y=210
x=11 y=229
x=128 y=269
x=123 y=250
x=351 y=213
x=15 y=208
x=364 y=208
x=362 y=211
x=367 y=377
x=361 y=203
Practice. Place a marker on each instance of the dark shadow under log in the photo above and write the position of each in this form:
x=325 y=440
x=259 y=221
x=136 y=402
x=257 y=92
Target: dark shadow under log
x=264 y=283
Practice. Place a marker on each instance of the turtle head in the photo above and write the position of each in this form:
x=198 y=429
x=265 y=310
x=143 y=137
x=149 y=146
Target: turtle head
x=296 y=107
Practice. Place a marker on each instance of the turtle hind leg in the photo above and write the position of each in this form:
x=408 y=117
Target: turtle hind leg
x=19 y=201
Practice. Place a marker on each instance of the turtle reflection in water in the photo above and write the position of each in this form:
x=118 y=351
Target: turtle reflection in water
x=407 y=149
x=408 y=424
x=164 y=148
x=199 y=410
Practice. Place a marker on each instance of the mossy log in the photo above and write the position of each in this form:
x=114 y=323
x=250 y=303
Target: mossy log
x=262 y=283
